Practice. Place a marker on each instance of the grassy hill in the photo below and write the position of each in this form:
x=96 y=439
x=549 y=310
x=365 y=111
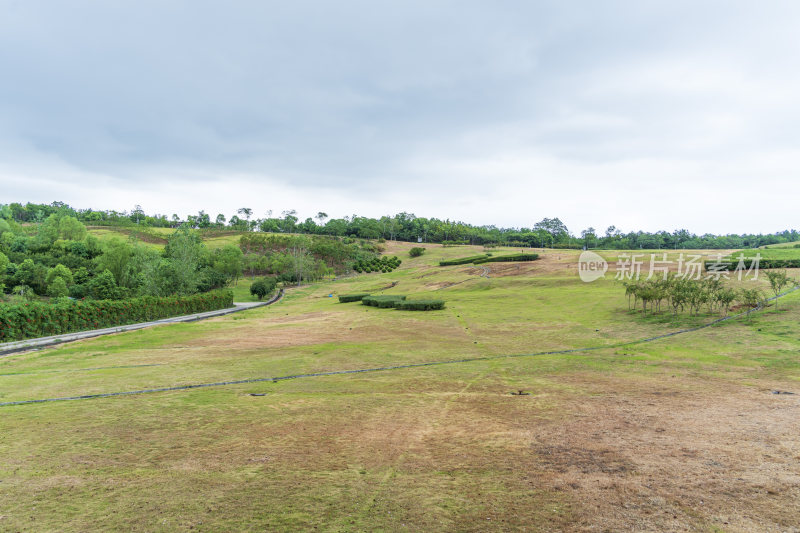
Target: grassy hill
x=682 y=433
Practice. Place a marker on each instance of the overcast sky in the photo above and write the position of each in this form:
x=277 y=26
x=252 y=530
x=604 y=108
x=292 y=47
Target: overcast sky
x=646 y=115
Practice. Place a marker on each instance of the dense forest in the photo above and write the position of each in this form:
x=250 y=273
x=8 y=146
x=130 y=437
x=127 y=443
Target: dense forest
x=549 y=232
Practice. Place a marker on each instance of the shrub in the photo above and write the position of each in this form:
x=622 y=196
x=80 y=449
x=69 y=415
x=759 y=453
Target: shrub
x=37 y=319
x=346 y=298
x=420 y=305
x=416 y=251
x=507 y=258
x=382 y=264
x=263 y=287
x=383 y=301
x=462 y=260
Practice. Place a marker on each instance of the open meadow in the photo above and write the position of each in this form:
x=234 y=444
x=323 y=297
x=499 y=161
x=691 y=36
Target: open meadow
x=683 y=433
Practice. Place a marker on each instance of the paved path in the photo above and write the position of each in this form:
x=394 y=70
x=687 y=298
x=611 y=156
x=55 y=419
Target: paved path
x=40 y=342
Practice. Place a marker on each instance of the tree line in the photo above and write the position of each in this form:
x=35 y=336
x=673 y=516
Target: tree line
x=548 y=232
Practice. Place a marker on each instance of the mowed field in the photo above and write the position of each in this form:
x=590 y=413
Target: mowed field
x=684 y=433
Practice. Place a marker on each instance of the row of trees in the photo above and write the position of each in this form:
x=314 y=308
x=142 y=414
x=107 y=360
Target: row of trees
x=548 y=232
x=680 y=294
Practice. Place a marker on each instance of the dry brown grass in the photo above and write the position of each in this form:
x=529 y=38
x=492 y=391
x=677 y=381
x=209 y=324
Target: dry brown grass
x=675 y=454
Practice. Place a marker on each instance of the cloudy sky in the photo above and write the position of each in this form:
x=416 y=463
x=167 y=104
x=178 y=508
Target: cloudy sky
x=646 y=115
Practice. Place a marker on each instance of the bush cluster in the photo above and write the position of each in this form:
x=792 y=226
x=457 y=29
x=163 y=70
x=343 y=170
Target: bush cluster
x=382 y=264
x=36 y=319
x=347 y=298
x=396 y=301
x=384 y=301
x=416 y=251
x=263 y=287
x=488 y=258
x=462 y=260
x=420 y=305
x=507 y=258
x=455 y=243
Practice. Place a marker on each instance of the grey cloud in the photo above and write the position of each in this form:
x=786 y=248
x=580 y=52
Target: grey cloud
x=359 y=95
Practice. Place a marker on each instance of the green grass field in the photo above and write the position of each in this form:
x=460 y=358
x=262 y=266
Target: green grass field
x=681 y=433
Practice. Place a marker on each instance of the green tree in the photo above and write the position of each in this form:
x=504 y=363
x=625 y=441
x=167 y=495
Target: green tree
x=117 y=258
x=263 y=287
x=4 y=262
x=556 y=229
x=57 y=288
x=300 y=257
x=185 y=251
x=104 y=286
x=750 y=298
x=59 y=271
x=778 y=279
x=71 y=229
x=229 y=260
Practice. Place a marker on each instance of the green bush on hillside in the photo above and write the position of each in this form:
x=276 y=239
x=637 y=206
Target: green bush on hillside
x=383 y=301
x=507 y=258
x=416 y=251
x=420 y=305
x=462 y=260
x=347 y=298
x=263 y=287
x=382 y=264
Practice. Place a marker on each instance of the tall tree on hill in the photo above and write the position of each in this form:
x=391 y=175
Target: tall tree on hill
x=300 y=256
x=555 y=228
x=246 y=212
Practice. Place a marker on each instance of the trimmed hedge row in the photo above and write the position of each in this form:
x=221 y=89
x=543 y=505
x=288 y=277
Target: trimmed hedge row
x=383 y=301
x=37 y=319
x=507 y=258
x=488 y=258
x=347 y=298
x=462 y=260
x=396 y=301
x=420 y=305
x=720 y=266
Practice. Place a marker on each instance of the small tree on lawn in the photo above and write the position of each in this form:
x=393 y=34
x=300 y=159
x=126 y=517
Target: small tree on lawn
x=750 y=298
x=263 y=287
x=778 y=279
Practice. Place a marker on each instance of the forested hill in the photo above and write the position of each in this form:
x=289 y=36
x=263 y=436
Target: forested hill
x=549 y=232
